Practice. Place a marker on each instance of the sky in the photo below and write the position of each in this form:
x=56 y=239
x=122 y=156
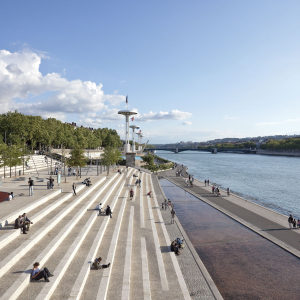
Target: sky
x=192 y=70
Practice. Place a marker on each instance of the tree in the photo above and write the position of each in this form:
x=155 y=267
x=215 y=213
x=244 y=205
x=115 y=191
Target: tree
x=148 y=159
x=77 y=158
x=11 y=156
x=111 y=156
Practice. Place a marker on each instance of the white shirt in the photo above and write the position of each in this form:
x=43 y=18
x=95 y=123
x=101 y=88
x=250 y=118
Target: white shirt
x=99 y=206
x=9 y=197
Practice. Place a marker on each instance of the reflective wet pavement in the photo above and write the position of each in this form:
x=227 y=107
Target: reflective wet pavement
x=242 y=264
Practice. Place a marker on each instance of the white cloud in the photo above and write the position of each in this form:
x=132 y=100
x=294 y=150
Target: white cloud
x=292 y=120
x=186 y=123
x=20 y=77
x=120 y=125
x=172 y=115
x=267 y=123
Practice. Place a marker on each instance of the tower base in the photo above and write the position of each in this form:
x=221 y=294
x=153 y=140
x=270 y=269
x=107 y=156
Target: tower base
x=130 y=159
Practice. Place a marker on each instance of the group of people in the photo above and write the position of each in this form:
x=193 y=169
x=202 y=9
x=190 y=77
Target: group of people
x=37 y=273
x=215 y=190
x=72 y=171
x=108 y=211
x=176 y=245
x=206 y=182
x=23 y=222
x=293 y=223
x=87 y=181
x=51 y=182
x=138 y=182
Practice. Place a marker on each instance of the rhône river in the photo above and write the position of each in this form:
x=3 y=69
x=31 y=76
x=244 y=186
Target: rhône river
x=271 y=181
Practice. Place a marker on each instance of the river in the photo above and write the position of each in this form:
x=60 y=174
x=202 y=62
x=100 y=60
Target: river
x=271 y=181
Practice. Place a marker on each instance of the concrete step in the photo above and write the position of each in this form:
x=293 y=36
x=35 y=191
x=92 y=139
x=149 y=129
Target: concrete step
x=10 y=236
x=11 y=217
x=17 y=288
x=92 y=283
x=106 y=274
x=85 y=264
x=34 y=238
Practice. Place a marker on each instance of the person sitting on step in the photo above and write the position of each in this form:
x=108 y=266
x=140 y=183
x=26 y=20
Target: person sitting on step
x=26 y=221
x=20 y=224
x=149 y=194
x=174 y=248
x=37 y=274
x=97 y=264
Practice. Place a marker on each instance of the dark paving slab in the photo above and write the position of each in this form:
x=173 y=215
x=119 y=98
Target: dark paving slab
x=243 y=264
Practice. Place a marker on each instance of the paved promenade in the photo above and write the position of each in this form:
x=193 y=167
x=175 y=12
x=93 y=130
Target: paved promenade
x=67 y=235
x=267 y=223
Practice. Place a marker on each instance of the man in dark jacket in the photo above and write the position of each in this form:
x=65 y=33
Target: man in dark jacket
x=108 y=211
x=20 y=224
x=26 y=221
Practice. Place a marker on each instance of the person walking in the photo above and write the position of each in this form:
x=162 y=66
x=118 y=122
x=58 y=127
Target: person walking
x=108 y=211
x=228 y=192
x=30 y=184
x=139 y=182
x=131 y=194
x=172 y=216
x=208 y=182
x=213 y=189
x=290 y=220
x=74 y=189
x=205 y=182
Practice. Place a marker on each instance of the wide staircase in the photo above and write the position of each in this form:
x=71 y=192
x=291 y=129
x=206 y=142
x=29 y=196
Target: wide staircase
x=67 y=236
x=35 y=164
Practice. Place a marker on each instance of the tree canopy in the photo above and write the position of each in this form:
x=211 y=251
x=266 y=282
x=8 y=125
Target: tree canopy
x=284 y=144
x=17 y=128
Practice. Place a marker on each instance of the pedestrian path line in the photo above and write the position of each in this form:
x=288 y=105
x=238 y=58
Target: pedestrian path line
x=178 y=272
x=142 y=217
x=127 y=267
x=104 y=283
x=85 y=269
x=161 y=266
x=145 y=270
x=20 y=284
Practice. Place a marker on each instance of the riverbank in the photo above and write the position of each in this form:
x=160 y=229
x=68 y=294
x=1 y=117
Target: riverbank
x=268 y=223
x=278 y=153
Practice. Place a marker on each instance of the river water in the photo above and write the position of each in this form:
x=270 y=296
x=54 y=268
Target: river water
x=271 y=181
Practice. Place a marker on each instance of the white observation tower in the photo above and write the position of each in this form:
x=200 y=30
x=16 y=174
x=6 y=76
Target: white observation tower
x=133 y=127
x=127 y=114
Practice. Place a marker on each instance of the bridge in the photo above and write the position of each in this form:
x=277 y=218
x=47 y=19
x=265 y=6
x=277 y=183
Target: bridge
x=213 y=150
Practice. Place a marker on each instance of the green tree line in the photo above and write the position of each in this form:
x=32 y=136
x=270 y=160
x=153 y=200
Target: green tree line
x=38 y=133
x=246 y=145
x=286 y=144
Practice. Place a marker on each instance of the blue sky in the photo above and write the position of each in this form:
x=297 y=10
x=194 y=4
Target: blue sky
x=194 y=70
